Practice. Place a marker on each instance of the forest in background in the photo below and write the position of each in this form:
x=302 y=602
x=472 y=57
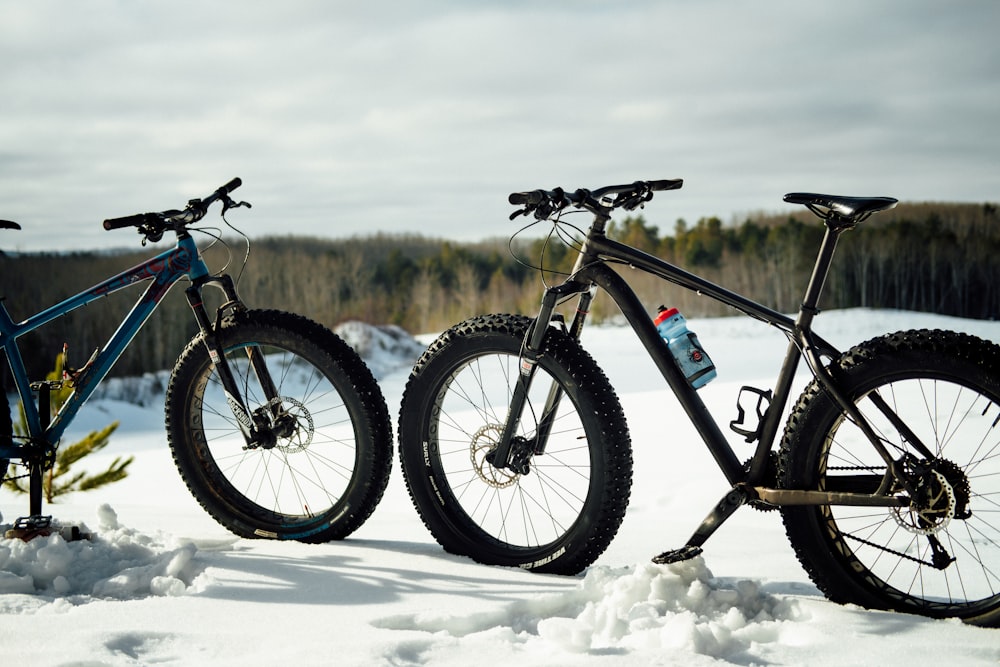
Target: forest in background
x=935 y=257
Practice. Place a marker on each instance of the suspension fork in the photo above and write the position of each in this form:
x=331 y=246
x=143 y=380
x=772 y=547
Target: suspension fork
x=500 y=456
x=253 y=435
x=556 y=392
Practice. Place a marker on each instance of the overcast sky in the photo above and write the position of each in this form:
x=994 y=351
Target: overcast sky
x=420 y=116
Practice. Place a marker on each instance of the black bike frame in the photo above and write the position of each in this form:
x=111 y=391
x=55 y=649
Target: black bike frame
x=592 y=269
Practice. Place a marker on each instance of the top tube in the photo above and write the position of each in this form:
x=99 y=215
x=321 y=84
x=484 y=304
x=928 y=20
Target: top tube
x=161 y=271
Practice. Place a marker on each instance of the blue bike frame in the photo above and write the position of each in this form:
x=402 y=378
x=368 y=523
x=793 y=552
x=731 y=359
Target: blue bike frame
x=164 y=270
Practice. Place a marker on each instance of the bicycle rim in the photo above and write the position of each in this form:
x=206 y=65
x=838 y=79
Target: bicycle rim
x=519 y=510
x=309 y=468
x=895 y=549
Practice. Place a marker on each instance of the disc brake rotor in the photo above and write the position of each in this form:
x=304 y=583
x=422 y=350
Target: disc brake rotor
x=483 y=442
x=933 y=508
x=294 y=427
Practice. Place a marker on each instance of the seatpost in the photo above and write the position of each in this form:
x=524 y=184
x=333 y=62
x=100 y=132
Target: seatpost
x=36 y=467
x=810 y=301
x=797 y=347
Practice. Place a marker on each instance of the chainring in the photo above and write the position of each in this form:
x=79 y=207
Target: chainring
x=770 y=480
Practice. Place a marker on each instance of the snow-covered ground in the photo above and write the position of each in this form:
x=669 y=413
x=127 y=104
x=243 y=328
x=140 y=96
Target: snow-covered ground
x=161 y=583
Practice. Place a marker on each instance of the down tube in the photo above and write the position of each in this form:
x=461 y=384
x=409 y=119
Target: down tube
x=695 y=408
x=113 y=350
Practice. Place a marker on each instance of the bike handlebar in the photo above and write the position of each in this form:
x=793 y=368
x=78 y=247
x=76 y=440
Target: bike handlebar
x=195 y=211
x=545 y=202
x=131 y=221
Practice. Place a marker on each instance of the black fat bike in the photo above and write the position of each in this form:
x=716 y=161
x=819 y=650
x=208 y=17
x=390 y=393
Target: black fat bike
x=516 y=451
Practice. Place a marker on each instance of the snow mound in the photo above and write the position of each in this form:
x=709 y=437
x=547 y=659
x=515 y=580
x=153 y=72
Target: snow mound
x=117 y=563
x=144 y=390
x=385 y=348
x=644 y=607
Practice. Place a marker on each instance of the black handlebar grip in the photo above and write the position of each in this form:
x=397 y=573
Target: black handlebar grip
x=129 y=221
x=533 y=197
x=232 y=185
x=667 y=184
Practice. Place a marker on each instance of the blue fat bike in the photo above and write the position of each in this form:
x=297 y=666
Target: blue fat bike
x=276 y=425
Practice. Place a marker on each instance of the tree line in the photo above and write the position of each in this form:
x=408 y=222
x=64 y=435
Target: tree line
x=926 y=257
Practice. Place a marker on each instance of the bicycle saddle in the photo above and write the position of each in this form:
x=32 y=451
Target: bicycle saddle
x=7 y=224
x=852 y=208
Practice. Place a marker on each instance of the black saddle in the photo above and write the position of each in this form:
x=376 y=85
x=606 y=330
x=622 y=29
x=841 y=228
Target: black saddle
x=848 y=209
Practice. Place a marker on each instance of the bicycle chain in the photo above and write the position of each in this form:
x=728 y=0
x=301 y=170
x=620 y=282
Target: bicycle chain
x=888 y=550
x=881 y=547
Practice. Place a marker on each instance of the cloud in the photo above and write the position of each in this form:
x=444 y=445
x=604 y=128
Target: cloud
x=349 y=118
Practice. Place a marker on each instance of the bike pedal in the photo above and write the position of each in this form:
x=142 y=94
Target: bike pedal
x=28 y=528
x=686 y=552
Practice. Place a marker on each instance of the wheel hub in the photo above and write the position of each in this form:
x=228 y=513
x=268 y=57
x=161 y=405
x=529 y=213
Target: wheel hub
x=483 y=442
x=289 y=423
x=959 y=484
x=932 y=507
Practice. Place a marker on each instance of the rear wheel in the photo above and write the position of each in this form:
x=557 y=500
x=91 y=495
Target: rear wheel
x=328 y=463
x=559 y=514
x=940 y=556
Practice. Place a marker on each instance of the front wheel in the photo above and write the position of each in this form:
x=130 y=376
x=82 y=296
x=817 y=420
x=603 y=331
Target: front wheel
x=328 y=463
x=940 y=555
x=563 y=507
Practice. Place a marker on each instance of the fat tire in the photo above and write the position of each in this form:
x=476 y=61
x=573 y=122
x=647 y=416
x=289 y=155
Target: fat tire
x=534 y=521
x=917 y=372
x=314 y=491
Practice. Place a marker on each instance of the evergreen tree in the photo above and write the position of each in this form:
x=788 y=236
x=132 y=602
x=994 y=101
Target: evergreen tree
x=61 y=478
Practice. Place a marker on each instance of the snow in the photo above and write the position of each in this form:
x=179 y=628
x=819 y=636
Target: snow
x=161 y=583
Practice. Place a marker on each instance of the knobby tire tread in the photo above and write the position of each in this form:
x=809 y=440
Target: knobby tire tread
x=356 y=386
x=821 y=549
x=607 y=431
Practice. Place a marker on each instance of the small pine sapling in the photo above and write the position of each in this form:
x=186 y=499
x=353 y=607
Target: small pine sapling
x=60 y=478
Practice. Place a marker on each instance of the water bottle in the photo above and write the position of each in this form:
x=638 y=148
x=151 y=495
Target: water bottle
x=684 y=345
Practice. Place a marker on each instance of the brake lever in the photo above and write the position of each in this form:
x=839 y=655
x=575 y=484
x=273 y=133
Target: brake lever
x=636 y=200
x=150 y=234
x=228 y=203
x=544 y=210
